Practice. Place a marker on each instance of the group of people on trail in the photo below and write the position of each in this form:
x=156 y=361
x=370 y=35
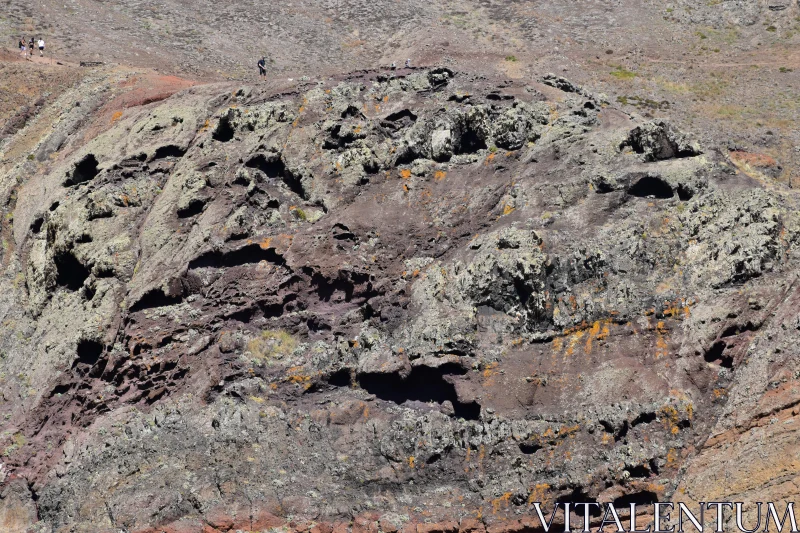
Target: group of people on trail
x=27 y=50
x=262 y=67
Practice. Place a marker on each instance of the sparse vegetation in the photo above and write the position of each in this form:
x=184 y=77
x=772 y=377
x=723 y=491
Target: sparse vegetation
x=511 y=58
x=17 y=442
x=621 y=73
x=300 y=214
x=271 y=344
x=643 y=103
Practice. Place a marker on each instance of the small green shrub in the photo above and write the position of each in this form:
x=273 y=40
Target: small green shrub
x=511 y=58
x=621 y=73
x=772 y=28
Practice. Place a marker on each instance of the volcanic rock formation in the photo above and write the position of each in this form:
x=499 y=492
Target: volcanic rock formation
x=381 y=301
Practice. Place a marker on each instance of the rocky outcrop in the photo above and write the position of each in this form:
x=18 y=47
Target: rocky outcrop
x=383 y=303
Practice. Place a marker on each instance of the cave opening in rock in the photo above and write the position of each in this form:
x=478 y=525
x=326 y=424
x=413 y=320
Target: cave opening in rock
x=273 y=166
x=169 y=150
x=194 y=208
x=579 y=495
x=89 y=352
x=224 y=130
x=246 y=255
x=402 y=115
x=650 y=186
x=155 y=298
x=716 y=354
x=85 y=170
x=529 y=448
x=70 y=272
x=423 y=384
x=471 y=142
x=644 y=498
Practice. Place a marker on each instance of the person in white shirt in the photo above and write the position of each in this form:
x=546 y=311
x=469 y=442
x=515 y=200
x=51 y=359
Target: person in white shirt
x=41 y=47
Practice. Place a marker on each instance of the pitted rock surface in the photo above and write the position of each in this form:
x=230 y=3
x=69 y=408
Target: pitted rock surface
x=382 y=301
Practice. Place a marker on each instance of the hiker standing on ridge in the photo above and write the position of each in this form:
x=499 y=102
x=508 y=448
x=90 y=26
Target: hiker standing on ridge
x=41 y=47
x=262 y=68
x=22 y=46
x=31 y=44
x=408 y=63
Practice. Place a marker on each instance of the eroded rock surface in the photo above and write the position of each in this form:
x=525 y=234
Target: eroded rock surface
x=382 y=301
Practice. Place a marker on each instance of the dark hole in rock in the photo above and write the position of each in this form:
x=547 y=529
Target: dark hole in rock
x=105 y=271
x=273 y=166
x=423 y=384
x=340 y=137
x=316 y=325
x=654 y=466
x=343 y=233
x=326 y=288
x=639 y=471
x=524 y=291
x=89 y=352
x=623 y=432
x=471 y=142
x=155 y=298
x=684 y=194
x=433 y=458
x=406 y=157
x=36 y=225
x=169 y=150
x=737 y=329
x=54 y=206
x=250 y=254
x=497 y=97
x=340 y=378
x=402 y=115
x=194 y=208
x=529 y=448
x=60 y=389
x=716 y=354
x=352 y=112
x=651 y=186
x=644 y=497
x=643 y=418
x=85 y=170
x=224 y=130
x=70 y=272
x=578 y=495
x=368 y=312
